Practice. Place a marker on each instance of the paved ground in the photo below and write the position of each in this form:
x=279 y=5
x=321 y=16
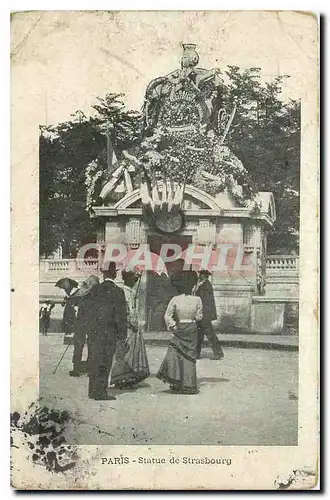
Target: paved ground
x=248 y=398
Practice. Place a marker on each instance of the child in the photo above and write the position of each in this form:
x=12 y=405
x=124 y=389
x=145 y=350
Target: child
x=44 y=316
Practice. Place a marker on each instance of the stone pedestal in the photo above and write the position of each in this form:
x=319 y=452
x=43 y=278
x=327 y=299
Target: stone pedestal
x=210 y=222
x=233 y=309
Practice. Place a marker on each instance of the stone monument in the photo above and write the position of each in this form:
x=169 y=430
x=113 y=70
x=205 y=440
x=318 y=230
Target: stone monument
x=183 y=184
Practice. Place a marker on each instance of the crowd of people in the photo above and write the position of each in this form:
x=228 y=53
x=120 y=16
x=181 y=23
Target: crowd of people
x=107 y=318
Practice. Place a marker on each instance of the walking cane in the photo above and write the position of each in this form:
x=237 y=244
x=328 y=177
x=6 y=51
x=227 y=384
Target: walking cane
x=58 y=364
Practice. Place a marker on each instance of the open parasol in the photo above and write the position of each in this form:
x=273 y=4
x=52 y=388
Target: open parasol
x=66 y=283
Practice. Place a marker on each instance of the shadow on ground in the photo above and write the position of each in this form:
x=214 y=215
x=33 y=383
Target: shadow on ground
x=128 y=390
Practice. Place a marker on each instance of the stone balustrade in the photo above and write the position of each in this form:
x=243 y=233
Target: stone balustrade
x=74 y=268
x=275 y=264
x=87 y=265
x=56 y=265
x=282 y=277
x=268 y=313
x=282 y=262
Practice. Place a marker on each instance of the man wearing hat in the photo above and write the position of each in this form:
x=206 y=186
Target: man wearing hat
x=83 y=299
x=109 y=327
x=204 y=290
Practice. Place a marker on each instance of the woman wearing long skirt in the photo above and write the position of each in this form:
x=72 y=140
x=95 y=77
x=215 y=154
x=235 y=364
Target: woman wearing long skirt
x=131 y=367
x=69 y=314
x=179 y=365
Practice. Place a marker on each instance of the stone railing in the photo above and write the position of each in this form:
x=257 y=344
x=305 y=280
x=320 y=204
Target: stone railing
x=275 y=264
x=87 y=265
x=282 y=263
x=282 y=276
x=74 y=268
x=56 y=265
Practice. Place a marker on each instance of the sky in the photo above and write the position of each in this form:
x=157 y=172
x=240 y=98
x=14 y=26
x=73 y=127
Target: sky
x=66 y=59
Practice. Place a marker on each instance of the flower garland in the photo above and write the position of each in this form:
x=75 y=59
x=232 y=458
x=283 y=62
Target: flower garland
x=226 y=169
x=180 y=113
x=176 y=154
x=184 y=155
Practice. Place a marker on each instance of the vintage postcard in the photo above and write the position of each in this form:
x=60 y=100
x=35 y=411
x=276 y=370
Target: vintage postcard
x=164 y=250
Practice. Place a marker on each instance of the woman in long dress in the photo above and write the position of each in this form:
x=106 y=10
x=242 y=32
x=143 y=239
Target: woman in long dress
x=131 y=367
x=69 y=313
x=179 y=365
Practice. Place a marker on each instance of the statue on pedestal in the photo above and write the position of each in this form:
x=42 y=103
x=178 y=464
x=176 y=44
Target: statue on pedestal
x=184 y=98
x=184 y=127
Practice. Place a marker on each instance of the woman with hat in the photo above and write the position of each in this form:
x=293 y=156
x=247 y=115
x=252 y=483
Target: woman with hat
x=83 y=324
x=179 y=365
x=70 y=287
x=131 y=367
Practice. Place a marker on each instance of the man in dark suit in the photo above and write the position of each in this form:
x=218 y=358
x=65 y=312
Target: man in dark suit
x=204 y=290
x=109 y=327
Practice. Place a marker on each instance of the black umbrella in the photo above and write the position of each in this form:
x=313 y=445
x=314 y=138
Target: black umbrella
x=66 y=283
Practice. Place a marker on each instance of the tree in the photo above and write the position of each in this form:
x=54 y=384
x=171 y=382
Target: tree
x=266 y=137
x=125 y=124
x=65 y=152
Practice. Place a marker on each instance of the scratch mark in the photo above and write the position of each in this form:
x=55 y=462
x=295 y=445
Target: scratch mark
x=122 y=61
x=20 y=44
x=287 y=33
x=93 y=426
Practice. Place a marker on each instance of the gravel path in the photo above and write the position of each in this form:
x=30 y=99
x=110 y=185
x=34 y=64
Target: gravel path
x=248 y=398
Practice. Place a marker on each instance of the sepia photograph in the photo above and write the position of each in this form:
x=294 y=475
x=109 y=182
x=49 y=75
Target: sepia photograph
x=167 y=240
